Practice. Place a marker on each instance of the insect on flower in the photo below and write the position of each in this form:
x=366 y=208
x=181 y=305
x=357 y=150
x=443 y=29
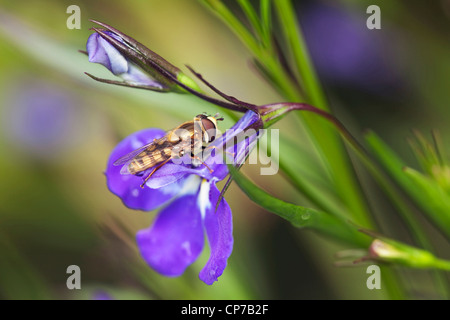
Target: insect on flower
x=190 y=137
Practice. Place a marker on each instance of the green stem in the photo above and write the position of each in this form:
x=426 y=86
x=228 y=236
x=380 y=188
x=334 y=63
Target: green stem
x=442 y=264
x=302 y=217
x=312 y=195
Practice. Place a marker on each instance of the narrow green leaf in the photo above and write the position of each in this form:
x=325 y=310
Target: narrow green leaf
x=426 y=193
x=297 y=46
x=434 y=199
x=230 y=19
x=264 y=55
x=266 y=21
x=307 y=176
x=252 y=16
x=388 y=159
x=394 y=165
x=439 y=146
x=328 y=144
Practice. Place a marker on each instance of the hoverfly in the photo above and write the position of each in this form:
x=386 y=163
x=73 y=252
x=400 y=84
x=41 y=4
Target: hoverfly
x=190 y=136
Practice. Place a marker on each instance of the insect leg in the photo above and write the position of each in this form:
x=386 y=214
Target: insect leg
x=198 y=158
x=215 y=147
x=153 y=171
x=227 y=158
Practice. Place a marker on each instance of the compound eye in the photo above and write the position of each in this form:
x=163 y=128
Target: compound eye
x=209 y=130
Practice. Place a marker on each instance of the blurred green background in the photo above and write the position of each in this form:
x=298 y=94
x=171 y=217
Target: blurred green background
x=57 y=128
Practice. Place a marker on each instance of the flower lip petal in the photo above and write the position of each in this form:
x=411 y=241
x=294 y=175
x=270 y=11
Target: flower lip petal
x=175 y=240
x=219 y=230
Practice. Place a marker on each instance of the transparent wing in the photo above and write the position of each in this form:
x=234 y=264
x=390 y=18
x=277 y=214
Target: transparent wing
x=128 y=157
x=124 y=170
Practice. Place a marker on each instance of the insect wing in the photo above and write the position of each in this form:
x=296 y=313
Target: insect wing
x=175 y=143
x=153 y=155
x=125 y=169
x=129 y=156
x=146 y=157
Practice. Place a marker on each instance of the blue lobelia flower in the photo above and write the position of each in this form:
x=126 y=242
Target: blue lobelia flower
x=190 y=201
x=188 y=196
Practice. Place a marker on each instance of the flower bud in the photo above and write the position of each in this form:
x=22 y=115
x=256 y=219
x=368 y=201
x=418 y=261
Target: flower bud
x=101 y=51
x=395 y=252
x=137 y=65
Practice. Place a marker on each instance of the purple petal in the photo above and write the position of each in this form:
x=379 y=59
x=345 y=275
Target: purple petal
x=234 y=153
x=101 y=51
x=137 y=76
x=219 y=229
x=175 y=239
x=127 y=187
x=247 y=119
